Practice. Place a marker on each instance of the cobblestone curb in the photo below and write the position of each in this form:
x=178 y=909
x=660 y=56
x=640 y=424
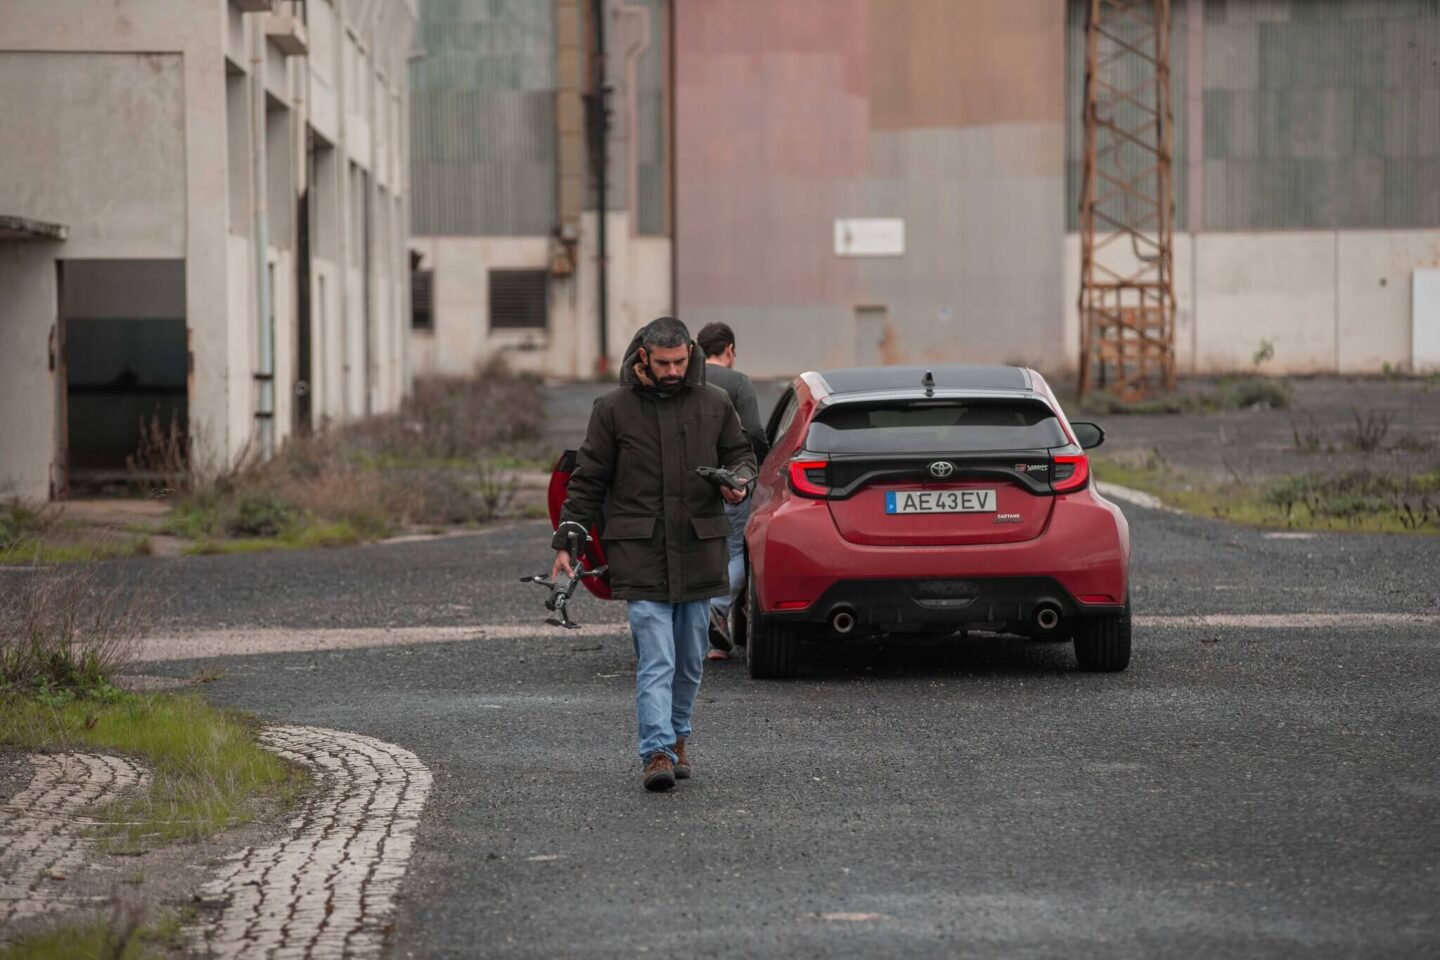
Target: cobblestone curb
x=43 y=828
x=329 y=891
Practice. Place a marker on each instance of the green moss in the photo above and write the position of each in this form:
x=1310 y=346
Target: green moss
x=41 y=553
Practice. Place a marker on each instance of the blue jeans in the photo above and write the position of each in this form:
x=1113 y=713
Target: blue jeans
x=670 y=640
x=739 y=515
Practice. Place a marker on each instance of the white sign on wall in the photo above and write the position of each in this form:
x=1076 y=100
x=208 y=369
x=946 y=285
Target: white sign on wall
x=870 y=237
x=1425 y=321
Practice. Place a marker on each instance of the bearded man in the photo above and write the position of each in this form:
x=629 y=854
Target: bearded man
x=664 y=528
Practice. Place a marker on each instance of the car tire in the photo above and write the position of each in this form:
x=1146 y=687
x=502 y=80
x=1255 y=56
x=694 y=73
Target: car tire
x=1103 y=643
x=773 y=651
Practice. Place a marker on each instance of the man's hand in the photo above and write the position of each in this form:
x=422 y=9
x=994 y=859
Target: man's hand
x=732 y=496
x=562 y=562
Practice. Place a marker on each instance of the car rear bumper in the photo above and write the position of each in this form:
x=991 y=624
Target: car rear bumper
x=804 y=571
x=888 y=606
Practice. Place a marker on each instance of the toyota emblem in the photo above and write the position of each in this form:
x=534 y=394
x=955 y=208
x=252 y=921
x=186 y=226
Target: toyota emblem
x=941 y=469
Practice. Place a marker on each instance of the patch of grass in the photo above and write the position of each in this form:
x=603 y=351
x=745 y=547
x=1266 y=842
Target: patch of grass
x=195 y=518
x=341 y=534
x=93 y=941
x=1244 y=392
x=20 y=524
x=1359 y=501
x=39 y=553
x=224 y=548
x=260 y=513
x=1230 y=393
x=300 y=536
x=209 y=770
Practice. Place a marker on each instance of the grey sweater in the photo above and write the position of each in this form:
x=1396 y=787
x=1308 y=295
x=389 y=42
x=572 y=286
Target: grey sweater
x=742 y=397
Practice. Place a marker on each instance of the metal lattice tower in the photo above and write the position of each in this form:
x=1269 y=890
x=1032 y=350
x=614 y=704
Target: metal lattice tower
x=1127 y=203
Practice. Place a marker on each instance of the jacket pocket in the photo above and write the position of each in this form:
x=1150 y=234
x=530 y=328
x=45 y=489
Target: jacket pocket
x=628 y=528
x=708 y=528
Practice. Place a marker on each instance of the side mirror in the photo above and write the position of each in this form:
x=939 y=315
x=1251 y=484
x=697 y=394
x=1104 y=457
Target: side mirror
x=1088 y=435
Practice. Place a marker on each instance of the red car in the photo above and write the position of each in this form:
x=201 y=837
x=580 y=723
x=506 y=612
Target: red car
x=906 y=499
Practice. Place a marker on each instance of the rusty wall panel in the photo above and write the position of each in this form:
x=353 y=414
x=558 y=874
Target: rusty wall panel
x=947 y=113
x=955 y=63
x=769 y=129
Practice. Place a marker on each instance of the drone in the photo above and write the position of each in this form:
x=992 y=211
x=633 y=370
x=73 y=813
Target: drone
x=721 y=477
x=562 y=588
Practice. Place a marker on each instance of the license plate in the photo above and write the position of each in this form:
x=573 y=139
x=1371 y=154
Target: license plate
x=940 y=501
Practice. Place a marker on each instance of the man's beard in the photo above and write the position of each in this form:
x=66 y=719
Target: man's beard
x=664 y=384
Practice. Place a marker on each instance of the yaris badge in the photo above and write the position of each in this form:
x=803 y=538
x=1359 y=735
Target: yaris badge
x=941 y=469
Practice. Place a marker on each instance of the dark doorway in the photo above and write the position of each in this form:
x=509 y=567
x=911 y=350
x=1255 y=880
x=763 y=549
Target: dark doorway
x=126 y=361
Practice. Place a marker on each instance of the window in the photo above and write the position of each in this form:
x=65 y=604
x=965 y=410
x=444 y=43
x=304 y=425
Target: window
x=781 y=418
x=422 y=290
x=936 y=426
x=519 y=299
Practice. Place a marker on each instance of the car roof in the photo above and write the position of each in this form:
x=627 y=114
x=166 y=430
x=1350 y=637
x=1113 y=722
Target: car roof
x=947 y=379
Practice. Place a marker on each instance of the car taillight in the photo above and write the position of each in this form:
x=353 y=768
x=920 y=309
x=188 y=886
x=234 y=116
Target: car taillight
x=1070 y=473
x=807 y=478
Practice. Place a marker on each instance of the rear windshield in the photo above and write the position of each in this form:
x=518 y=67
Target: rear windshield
x=935 y=426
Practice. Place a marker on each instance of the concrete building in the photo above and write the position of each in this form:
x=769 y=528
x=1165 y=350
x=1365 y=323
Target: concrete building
x=507 y=187
x=207 y=212
x=877 y=181
x=1307 y=182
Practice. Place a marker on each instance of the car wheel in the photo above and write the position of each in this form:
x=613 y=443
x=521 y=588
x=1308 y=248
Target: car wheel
x=774 y=649
x=1103 y=643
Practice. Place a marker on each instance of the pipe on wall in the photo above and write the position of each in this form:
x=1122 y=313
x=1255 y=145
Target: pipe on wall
x=264 y=316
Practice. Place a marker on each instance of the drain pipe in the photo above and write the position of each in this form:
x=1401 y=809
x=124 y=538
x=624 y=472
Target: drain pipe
x=264 y=321
x=600 y=130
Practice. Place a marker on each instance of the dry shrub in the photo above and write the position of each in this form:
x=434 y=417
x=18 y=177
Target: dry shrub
x=61 y=628
x=161 y=462
x=421 y=465
x=458 y=417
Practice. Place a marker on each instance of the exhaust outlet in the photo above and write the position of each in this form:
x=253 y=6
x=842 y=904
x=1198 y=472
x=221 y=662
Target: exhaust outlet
x=1047 y=618
x=842 y=622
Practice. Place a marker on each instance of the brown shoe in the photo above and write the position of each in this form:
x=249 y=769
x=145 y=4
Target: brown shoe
x=659 y=772
x=682 y=762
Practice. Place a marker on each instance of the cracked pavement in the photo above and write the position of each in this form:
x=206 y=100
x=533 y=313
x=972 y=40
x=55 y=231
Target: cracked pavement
x=329 y=890
x=46 y=832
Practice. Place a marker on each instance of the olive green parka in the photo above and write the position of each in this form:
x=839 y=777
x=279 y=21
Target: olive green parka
x=663 y=527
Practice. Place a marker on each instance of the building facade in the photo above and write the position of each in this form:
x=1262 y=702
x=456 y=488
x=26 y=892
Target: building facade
x=509 y=182
x=203 y=223
x=884 y=181
x=1307 y=183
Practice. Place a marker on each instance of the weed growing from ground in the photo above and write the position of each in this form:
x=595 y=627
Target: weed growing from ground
x=61 y=629
x=1370 y=429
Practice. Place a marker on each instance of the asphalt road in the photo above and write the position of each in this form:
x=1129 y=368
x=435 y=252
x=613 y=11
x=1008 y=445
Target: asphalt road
x=1239 y=791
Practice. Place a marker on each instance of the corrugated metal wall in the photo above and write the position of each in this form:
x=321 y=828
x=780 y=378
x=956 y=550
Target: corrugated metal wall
x=1322 y=113
x=1133 y=73
x=652 y=77
x=1317 y=113
x=483 y=157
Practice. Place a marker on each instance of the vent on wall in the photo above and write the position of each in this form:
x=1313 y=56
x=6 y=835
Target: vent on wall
x=518 y=299
x=422 y=293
